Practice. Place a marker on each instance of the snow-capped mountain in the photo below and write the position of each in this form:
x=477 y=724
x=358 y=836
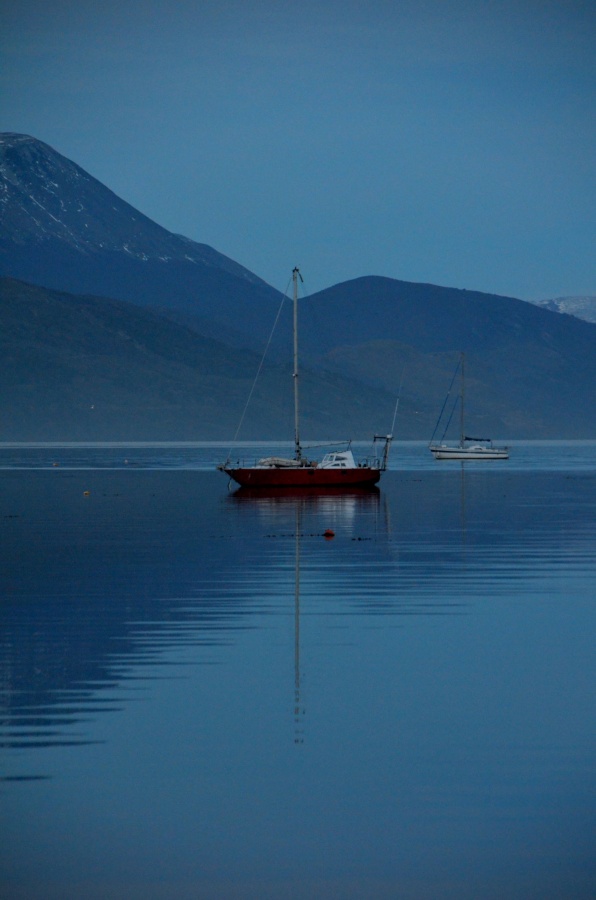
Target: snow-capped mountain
x=45 y=197
x=580 y=307
x=62 y=229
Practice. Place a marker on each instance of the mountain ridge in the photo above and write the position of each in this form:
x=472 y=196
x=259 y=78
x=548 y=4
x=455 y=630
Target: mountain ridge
x=84 y=218
x=61 y=228
x=531 y=371
x=94 y=368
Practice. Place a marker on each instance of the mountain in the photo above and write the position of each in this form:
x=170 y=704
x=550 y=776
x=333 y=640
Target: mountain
x=531 y=372
x=88 y=368
x=581 y=307
x=63 y=229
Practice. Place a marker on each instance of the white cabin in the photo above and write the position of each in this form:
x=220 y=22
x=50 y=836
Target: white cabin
x=342 y=459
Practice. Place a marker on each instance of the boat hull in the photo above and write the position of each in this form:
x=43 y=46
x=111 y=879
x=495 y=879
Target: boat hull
x=469 y=453
x=303 y=477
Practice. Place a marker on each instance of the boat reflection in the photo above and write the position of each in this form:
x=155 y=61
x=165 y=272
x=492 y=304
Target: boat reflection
x=323 y=505
x=292 y=494
x=299 y=709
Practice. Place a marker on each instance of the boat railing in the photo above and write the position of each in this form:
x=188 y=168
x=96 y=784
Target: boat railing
x=243 y=462
x=371 y=462
x=254 y=462
x=238 y=463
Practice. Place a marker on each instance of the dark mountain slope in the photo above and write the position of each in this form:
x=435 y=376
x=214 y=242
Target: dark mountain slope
x=531 y=372
x=88 y=368
x=430 y=318
x=63 y=229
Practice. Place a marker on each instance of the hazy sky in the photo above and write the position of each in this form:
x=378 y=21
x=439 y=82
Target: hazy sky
x=444 y=142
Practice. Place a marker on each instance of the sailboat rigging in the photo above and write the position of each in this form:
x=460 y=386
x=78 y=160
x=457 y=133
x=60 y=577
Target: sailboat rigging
x=336 y=469
x=468 y=447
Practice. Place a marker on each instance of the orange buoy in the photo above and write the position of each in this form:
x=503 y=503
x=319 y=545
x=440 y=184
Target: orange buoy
x=328 y=533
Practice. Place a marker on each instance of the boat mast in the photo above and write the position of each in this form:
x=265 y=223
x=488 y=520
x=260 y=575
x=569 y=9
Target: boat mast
x=297 y=450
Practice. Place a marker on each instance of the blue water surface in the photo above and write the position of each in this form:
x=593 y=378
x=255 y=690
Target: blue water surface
x=212 y=694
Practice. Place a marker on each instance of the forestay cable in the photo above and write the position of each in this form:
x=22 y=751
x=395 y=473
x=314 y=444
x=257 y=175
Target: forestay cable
x=256 y=378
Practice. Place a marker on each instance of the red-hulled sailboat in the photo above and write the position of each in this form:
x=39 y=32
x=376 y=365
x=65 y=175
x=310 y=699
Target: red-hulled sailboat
x=337 y=469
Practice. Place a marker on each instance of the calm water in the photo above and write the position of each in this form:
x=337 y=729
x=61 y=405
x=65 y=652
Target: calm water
x=204 y=697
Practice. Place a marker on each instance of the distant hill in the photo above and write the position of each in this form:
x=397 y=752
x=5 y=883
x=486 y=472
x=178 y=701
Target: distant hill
x=531 y=372
x=89 y=368
x=581 y=307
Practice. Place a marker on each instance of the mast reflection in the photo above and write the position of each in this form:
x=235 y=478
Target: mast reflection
x=338 y=506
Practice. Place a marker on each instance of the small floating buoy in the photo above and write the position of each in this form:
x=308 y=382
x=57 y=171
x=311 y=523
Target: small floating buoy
x=328 y=533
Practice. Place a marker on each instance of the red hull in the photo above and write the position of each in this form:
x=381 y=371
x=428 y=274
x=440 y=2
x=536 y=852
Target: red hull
x=305 y=476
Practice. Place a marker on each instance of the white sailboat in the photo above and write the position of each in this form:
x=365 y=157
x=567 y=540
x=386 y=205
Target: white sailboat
x=473 y=448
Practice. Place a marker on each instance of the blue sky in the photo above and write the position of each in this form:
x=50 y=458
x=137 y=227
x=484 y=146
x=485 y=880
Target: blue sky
x=444 y=142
